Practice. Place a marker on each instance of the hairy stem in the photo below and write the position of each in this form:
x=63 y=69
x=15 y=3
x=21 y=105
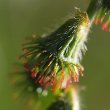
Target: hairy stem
x=76 y=101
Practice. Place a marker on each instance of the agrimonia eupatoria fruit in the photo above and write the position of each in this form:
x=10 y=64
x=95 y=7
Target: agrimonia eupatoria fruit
x=55 y=60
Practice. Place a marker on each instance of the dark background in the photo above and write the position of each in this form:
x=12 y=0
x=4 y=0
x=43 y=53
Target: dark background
x=19 y=18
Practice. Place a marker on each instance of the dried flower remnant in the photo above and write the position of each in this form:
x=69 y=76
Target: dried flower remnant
x=55 y=60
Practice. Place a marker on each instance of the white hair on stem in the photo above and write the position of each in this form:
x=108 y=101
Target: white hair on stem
x=75 y=99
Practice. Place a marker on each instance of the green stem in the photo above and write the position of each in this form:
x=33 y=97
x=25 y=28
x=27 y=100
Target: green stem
x=93 y=8
x=73 y=97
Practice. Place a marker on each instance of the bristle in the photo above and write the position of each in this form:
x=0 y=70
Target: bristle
x=105 y=26
x=62 y=78
x=55 y=86
x=101 y=20
x=96 y=21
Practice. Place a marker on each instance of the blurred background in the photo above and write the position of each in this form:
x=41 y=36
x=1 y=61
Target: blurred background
x=19 y=18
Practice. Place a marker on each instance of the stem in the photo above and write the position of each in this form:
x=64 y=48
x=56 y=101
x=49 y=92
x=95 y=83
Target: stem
x=73 y=97
x=76 y=101
x=93 y=8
